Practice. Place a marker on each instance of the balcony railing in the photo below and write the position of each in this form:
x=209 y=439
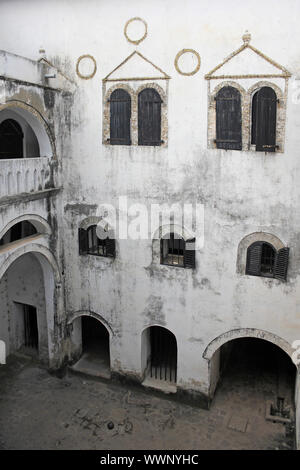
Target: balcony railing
x=24 y=175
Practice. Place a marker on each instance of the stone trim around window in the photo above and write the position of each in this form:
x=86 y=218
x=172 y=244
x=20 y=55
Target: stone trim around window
x=246 y=102
x=248 y=240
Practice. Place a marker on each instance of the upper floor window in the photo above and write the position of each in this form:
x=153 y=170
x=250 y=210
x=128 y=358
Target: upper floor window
x=265 y=261
x=264 y=113
x=120 y=113
x=11 y=139
x=228 y=119
x=18 y=231
x=175 y=251
x=90 y=244
x=149 y=117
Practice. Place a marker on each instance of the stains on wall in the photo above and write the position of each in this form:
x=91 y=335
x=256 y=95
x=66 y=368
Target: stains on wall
x=154 y=311
x=81 y=209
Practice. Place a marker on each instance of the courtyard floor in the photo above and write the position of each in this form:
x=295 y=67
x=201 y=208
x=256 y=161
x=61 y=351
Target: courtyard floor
x=42 y=411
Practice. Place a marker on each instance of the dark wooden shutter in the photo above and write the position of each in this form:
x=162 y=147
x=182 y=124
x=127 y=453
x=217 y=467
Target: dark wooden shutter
x=11 y=140
x=83 y=241
x=228 y=119
x=120 y=112
x=254 y=114
x=253 y=266
x=110 y=247
x=281 y=264
x=149 y=117
x=190 y=254
x=266 y=120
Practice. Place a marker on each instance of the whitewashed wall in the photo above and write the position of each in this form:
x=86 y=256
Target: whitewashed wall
x=243 y=192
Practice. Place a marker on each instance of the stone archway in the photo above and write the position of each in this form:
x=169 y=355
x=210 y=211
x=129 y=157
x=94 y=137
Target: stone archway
x=30 y=286
x=215 y=344
x=30 y=115
x=212 y=351
x=255 y=369
x=90 y=336
x=40 y=224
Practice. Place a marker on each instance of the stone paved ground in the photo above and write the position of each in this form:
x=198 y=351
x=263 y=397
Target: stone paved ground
x=42 y=411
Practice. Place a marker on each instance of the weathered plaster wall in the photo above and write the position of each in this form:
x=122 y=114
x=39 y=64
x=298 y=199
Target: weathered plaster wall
x=32 y=186
x=243 y=192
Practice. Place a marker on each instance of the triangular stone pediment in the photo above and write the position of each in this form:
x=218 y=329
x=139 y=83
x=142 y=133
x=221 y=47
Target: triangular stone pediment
x=248 y=62
x=136 y=67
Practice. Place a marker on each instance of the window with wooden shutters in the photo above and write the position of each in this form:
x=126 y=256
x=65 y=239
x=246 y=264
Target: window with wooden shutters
x=120 y=113
x=228 y=119
x=11 y=139
x=263 y=260
x=175 y=251
x=90 y=244
x=264 y=115
x=149 y=117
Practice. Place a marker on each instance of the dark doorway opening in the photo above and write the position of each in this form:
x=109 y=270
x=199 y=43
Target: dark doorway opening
x=11 y=139
x=31 y=335
x=256 y=357
x=95 y=358
x=95 y=336
x=163 y=357
x=257 y=386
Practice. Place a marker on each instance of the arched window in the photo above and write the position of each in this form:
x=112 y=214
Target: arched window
x=120 y=112
x=11 y=139
x=264 y=112
x=175 y=251
x=149 y=117
x=90 y=244
x=263 y=260
x=18 y=231
x=228 y=119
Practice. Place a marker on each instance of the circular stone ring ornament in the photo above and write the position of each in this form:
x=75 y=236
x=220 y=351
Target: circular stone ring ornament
x=136 y=41
x=82 y=57
x=184 y=51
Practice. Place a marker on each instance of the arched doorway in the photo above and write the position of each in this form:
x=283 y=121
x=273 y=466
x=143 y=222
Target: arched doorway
x=254 y=384
x=27 y=305
x=159 y=358
x=93 y=346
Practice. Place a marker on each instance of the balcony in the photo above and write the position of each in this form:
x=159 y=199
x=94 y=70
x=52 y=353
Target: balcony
x=25 y=175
